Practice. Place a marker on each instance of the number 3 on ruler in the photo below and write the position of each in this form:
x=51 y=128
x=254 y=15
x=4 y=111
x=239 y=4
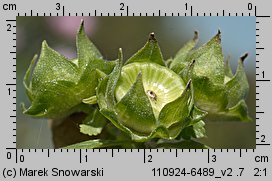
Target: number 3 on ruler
x=213 y=158
x=58 y=6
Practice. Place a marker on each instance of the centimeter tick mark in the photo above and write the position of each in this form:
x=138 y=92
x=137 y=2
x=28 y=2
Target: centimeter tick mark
x=208 y=155
x=140 y=14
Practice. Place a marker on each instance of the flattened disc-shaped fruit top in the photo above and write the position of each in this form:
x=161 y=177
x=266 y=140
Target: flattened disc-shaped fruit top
x=161 y=84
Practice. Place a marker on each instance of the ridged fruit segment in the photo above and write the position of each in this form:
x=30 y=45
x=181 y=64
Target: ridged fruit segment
x=161 y=85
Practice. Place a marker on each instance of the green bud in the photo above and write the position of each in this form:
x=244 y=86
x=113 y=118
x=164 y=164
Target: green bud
x=57 y=85
x=216 y=89
x=146 y=99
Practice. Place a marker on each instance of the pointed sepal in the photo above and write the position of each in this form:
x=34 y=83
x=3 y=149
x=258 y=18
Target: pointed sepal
x=180 y=61
x=134 y=110
x=149 y=53
x=86 y=50
x=238 y=86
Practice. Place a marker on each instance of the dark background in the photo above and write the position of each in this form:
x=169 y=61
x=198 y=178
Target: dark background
x=131 y=33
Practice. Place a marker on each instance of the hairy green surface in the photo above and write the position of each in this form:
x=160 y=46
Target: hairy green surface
x=147 y=102
x=58 y=85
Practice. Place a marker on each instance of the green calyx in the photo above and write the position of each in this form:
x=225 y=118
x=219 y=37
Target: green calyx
x=216 y=89
x=57 y=85
x=145 y=98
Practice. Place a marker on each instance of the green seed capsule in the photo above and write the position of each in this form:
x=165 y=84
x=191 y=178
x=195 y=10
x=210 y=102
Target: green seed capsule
x=146 y=99
x=161 y=85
